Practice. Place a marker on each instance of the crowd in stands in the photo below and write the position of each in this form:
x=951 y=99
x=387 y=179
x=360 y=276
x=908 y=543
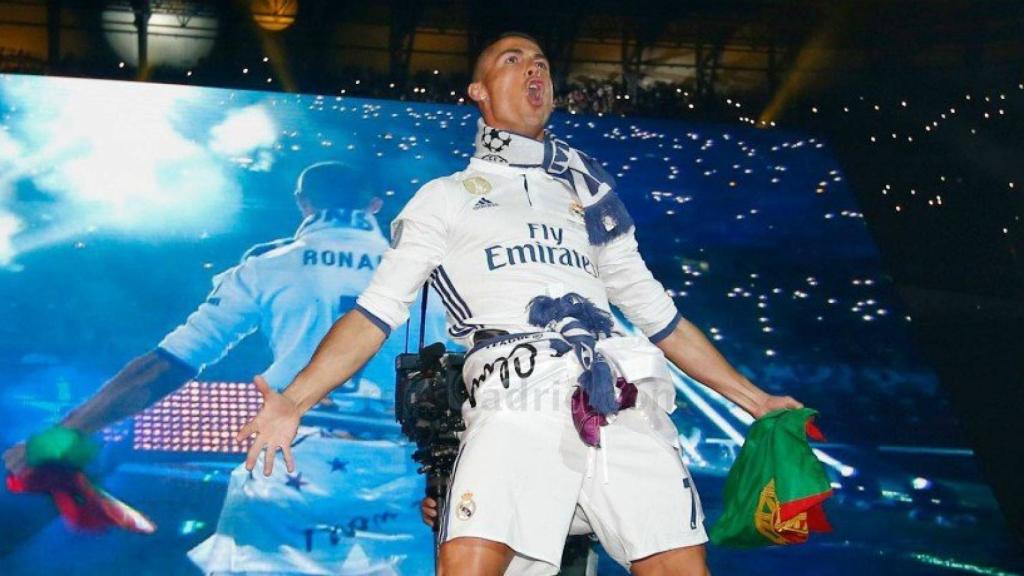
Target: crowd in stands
x=913 y=147
x=19 y=61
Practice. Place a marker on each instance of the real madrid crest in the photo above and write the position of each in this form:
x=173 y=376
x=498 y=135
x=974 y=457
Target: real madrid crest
x=477 y=185
x=466 y=507
x=576 y=210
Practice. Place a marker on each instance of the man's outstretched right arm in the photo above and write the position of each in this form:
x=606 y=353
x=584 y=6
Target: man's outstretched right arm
x=350 y=343
x=418 y=243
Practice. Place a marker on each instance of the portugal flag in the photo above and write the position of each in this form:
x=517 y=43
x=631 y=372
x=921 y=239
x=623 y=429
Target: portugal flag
x=55 y=459
x=776 y=487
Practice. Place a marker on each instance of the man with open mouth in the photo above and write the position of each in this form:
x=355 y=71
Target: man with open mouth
x=567 y=422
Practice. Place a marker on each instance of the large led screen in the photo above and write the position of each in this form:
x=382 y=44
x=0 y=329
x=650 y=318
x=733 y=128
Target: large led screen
x=125 y=207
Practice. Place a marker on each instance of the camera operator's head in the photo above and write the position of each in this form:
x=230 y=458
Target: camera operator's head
x=336 y=185
x=512 y=85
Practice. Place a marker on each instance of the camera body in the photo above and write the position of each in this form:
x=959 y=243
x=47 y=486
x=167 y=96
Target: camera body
x=429 y=394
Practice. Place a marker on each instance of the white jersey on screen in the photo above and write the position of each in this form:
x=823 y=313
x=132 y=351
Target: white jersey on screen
x=347 y=509
x=291 y=290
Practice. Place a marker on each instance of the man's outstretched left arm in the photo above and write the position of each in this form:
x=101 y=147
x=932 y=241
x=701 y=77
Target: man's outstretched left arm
x=634 y=290
x=688 y=348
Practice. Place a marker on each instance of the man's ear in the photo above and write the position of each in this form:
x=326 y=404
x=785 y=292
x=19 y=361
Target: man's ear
x=477 y=92
x=304 y=206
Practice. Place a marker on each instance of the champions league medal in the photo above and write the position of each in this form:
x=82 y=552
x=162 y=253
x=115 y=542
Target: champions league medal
x=478 y=186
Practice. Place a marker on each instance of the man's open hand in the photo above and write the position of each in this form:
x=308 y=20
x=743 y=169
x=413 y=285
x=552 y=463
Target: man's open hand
x=428 y=511
x=275 y=427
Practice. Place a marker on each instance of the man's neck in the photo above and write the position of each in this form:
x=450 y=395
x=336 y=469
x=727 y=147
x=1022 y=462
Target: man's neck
x=538 y=134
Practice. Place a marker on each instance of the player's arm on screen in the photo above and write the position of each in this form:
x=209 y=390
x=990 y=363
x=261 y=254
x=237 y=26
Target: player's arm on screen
x=418 y=244
x=134 y=388
x=228 y=314
x=137 y=386
x=634 y=290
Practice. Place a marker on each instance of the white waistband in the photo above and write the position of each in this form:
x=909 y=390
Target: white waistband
x=519 y=356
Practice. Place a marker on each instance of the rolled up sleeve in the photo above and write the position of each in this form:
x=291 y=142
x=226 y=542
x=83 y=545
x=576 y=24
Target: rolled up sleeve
x=419 y=241
x=229 y=314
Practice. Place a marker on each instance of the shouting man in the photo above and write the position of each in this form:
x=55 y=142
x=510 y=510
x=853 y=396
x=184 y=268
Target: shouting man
x=567 y=423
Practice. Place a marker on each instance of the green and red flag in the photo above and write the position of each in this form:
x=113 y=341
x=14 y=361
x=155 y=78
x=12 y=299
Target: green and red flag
x=776 y=487
x=56 y=458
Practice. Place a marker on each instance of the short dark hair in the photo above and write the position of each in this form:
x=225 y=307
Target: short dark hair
x=494 y=40
x=333 y=184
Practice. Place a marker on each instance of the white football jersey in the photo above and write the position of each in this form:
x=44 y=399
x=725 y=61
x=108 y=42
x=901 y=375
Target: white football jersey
x=491 y=238
x=291 y=290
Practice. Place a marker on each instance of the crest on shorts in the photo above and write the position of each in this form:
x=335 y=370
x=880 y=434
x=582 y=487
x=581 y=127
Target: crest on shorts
x=466 y=507
x=477 y=185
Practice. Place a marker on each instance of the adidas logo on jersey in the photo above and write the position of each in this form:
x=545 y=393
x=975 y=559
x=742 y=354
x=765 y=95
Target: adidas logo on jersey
x=484 y=203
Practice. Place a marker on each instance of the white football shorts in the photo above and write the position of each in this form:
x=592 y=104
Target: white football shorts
x=523 y=476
